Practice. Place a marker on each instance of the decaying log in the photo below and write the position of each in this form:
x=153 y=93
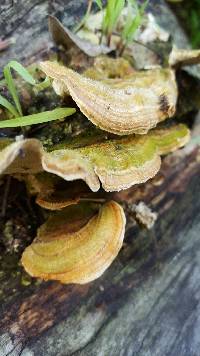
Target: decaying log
x=148 y=302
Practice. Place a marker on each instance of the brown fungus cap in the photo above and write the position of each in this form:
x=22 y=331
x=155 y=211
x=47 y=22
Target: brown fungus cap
x=71 y=250
x=56 y=201
x=134 y=104
x=63 y=194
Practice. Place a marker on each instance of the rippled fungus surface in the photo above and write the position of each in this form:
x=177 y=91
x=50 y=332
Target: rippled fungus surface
x=123 y=106
x=84 y=231
x=78 y=244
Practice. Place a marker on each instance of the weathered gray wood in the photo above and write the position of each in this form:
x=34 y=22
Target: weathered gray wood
x=148 y=302
x=26 y=21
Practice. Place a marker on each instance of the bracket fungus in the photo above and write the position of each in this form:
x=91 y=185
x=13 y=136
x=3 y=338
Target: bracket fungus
x=56 y=200
x=22 y=156
x=72 y=248
x=117 y=163
x=59 y=194
x=134 y=104
x=80 y=240
x=120 y=163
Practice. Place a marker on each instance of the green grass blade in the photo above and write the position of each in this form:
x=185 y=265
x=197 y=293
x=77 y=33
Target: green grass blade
x=12 y=89
x=39 y=118
x=115 y=12
x=10 y=82
x=131 y=26
x=2 y=83
x=99 y=4
x=143 y=7
x=23 y=72
x=6 y=104
x=43 y=85
x=112 y=13
x=118 y=9
x=129 y=19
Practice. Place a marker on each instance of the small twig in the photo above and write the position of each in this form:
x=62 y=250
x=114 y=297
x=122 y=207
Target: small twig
x=101 y=37
x=5 y=197
x=121 y=48
x=109 y=39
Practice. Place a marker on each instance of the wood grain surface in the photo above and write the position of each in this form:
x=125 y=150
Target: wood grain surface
x=148 y=302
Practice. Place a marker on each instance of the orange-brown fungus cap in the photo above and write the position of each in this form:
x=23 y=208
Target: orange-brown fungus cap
x=71 y=250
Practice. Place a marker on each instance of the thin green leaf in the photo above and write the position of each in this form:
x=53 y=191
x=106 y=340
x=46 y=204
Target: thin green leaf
x=131 y=26
x=143 y=7
x=10 y=82
x=99 y=4
x=2 y=82
x=23 y=72
x=130 y=30
x=12 y=89
x=6 y=104
x=43 y=85
x=112 y=13
x=38 y=118
x=129 y=20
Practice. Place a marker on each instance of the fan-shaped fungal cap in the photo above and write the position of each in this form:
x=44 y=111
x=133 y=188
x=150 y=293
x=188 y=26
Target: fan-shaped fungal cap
x=82 y=254
x=70 y=165
x=121 y=163
x=23 y=156
x=170 y=139
x=63 y=195
x=55 y=201
x=121 y=106
x=117 y=163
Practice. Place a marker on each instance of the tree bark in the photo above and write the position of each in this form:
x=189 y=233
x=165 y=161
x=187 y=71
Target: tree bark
x=147 y=303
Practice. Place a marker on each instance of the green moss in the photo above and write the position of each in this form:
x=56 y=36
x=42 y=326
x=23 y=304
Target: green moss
x=26 y=280
x=120 y=154
x=126 y=152
x=8 y=231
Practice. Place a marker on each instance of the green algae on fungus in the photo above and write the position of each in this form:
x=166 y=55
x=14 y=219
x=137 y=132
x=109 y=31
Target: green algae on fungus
x=121 y=163
x=117 y=163
x=109 y=68
x=77 y=244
